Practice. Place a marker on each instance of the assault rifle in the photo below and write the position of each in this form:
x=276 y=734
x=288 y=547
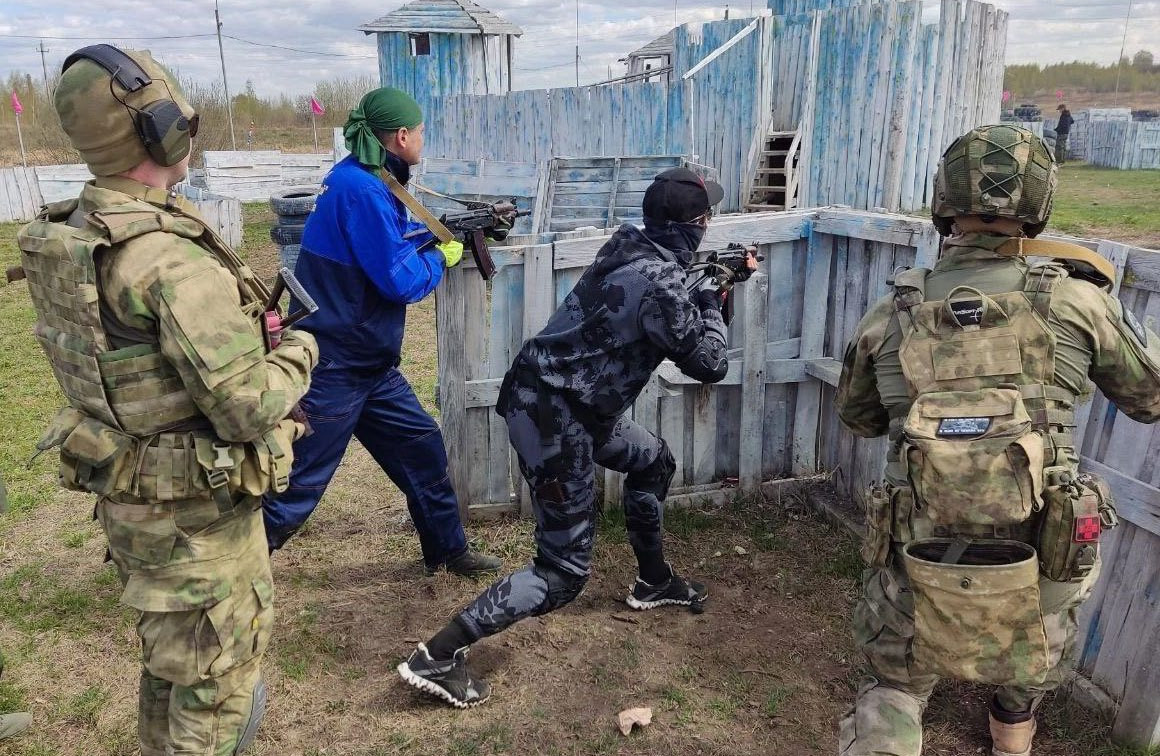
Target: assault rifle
x=274 y=323
x=480 y=221
x=724 y=268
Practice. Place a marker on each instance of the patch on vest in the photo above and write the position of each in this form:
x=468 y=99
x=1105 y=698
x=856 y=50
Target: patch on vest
x=1134 y=324
x=968 y=312
x=957 y=427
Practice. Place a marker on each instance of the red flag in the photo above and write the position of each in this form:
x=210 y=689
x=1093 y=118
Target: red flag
x=316 y=107
x=16 y=106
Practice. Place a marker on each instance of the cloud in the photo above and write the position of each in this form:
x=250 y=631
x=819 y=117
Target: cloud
x=1040 y=31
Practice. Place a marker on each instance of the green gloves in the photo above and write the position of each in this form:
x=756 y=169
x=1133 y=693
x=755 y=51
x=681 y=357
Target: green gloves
x=452 y=252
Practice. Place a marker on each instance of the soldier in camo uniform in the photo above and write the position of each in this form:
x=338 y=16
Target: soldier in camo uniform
x=983 y=538
x=564 y=399
x=177 y=412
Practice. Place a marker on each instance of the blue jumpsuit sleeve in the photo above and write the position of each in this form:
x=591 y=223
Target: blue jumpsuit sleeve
x=424 y=241
x=398 y=270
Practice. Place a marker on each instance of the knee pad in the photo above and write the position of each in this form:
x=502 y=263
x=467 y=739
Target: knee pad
x=655 y=478
x=257 y=713
x=563 y=587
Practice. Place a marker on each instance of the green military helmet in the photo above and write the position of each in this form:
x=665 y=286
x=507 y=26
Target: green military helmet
x=1002 y=171
x=116 y=122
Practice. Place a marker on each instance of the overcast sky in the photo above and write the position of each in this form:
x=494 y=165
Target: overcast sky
x=1041 y=31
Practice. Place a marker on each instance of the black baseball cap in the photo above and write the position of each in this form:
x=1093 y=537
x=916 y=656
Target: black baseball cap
x=680 y=195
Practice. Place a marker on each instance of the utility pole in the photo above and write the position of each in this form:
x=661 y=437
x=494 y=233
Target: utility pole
x=577 y=42
x=44 y=69
x=225 y=84
x=1120 y=61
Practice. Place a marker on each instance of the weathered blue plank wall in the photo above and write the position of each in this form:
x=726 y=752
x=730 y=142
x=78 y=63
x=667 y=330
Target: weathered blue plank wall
x=789 y=7
x=884 y=102
x=869 y=86
x=538 y=124
x=458 y=63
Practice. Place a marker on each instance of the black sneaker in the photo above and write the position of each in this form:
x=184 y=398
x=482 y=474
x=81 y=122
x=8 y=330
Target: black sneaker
x=446 y=680
x=675 y=591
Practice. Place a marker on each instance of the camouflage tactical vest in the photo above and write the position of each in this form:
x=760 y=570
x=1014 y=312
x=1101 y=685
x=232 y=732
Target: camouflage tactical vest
x=131 y=425
x=986 y=424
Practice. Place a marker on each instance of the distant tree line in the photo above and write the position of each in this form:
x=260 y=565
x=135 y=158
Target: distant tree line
x=1137 y=74
x=279 y=122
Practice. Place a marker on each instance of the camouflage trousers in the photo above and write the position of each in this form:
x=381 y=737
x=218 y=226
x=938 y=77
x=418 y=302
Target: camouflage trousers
x=560 y=466
x=201 y=580
x=1061 y=148
x=886 y=720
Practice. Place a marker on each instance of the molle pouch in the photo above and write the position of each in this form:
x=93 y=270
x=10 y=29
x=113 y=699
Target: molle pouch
x=977 y=614
x=973 y=458
x=1068 y=531
x=879 y=525
x=97 y=458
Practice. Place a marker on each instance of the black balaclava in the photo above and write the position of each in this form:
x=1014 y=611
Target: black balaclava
x=682 y=239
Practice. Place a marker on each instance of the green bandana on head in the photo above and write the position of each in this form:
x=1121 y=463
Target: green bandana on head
x=384 y=109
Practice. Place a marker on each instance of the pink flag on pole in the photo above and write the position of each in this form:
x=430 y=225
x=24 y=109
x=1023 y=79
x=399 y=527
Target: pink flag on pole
x=1059 y=94
x=316 y=107
x=17 y=108
x=1007 y=96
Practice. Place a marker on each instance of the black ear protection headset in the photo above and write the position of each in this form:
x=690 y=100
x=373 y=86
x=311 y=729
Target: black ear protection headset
x=163 y=129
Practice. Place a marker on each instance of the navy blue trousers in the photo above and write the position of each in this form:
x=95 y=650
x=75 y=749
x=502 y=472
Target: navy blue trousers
x=380 y=409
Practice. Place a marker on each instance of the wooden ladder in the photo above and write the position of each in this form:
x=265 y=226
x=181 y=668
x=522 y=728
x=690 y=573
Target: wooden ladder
x=776 y=183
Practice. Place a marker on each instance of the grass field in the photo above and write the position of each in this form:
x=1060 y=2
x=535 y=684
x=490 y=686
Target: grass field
x=768 y=669
x=1103 y=203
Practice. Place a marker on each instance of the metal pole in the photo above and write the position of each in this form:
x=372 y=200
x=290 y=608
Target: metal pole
x=577 y=42
x=20 y=136
x=44 y=69
x=225 y=84
x=1120 y=60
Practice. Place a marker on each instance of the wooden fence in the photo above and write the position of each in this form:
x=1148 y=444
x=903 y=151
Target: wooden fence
x=868 y=84
x=20 y=197
x=23 y=191
x=255 y=175
x=773 y=415
x=1127 y=145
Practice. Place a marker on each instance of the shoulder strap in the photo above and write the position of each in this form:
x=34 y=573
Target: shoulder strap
x=909 y=292
x=441 y=232
x=1059 y=251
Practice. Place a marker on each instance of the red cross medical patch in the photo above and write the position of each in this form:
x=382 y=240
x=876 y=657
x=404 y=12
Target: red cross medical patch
x=1087 y=529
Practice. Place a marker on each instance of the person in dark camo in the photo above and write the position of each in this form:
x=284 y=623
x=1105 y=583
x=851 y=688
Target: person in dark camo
x=564 y=399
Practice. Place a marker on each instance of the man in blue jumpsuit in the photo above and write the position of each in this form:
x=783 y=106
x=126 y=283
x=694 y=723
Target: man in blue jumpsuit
x=363 y=267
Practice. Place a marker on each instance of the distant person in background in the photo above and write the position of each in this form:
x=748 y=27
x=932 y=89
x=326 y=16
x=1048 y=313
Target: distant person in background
x=250 y=136
x=1062 y=130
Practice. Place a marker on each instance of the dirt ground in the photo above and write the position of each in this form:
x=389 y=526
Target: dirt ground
x=767 y=669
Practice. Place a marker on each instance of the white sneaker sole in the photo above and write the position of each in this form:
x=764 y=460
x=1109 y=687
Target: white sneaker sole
x=640 y=606
x=430 y=688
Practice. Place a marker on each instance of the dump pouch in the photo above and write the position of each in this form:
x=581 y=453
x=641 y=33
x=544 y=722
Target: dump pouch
x=973 y=458
x=979 y=618
x=1077 y=508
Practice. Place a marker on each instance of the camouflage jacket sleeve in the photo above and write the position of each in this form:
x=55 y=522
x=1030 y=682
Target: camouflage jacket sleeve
x=858 y=400
x=168 y=285
x=1125 y=356
x=696 y=340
